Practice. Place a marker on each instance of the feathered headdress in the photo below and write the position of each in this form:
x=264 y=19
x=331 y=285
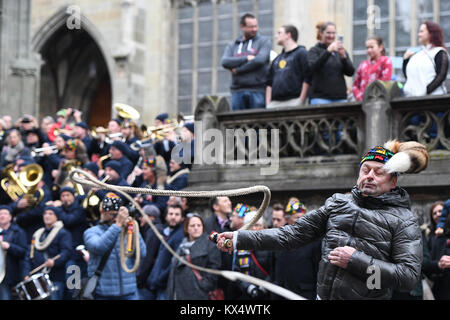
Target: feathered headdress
x=409 y=157
x=400 y=157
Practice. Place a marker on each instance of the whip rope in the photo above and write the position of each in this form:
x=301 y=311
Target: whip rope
x=89 y=180
x=135 y=248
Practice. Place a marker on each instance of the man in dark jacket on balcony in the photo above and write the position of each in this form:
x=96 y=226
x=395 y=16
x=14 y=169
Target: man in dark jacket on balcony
x=248 y=59
x=371 y=240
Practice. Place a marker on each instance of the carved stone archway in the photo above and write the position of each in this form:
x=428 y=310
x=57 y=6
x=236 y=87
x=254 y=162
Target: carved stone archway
x=76 y=72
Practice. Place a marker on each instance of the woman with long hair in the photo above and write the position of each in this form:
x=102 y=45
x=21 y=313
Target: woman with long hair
x=377 y=67
x=184 y=282
x=426 y=70
x=329 y=63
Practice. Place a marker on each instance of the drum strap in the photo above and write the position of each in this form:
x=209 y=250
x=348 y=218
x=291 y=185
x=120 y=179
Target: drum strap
x=48 y=240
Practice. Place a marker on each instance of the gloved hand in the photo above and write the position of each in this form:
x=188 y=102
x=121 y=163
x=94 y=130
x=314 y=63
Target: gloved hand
x=255 y=292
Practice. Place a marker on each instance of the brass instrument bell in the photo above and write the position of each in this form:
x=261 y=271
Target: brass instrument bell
x=126 y=112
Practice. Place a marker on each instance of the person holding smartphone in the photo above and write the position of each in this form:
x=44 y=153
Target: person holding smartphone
x=329 y=63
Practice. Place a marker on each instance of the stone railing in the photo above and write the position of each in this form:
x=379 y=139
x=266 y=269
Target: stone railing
x=320 y=146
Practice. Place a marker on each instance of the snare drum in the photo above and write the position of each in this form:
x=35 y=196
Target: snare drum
x=37 y=287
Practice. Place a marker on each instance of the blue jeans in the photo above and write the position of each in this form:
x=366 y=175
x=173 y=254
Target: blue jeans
x=241 y=100
x=315 y=101
x=5 y=292
x=59 y=294
x=131 y=296
x=145 y=294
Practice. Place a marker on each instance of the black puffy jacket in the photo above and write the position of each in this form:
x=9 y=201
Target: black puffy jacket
x=383 y=230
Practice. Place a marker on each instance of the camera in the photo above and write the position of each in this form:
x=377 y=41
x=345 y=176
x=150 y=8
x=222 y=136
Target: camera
x=133 y=212
x=340 y=38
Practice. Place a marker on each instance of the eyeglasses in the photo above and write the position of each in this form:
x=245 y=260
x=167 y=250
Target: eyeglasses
x=190 y=215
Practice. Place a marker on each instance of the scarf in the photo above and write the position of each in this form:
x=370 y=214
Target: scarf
x=12 y=152
x=47 y=241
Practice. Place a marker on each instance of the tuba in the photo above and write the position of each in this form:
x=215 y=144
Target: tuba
x=126 y=112
x=12 y=184
x=30 y=177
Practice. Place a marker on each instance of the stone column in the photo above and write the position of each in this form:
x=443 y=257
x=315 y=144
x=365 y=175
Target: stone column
x=377 y=109
x=20 y=67
x=123 y=54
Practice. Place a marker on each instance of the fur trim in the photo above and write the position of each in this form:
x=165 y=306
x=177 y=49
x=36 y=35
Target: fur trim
x=416 y=158
x=393 y=146
x=400 y=162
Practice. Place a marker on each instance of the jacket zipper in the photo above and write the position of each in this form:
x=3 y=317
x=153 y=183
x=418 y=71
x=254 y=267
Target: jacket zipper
x=353 y=229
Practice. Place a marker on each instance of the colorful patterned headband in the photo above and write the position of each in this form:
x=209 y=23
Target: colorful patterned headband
x=241 y=209
x=379 y=154
x=149 y=162
x=70 y=145
x=294 y=207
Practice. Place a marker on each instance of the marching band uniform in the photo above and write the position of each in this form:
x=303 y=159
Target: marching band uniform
x=40 y=251
x=12 y=258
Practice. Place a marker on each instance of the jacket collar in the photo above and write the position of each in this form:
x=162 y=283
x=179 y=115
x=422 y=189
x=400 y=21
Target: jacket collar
x=397 y=197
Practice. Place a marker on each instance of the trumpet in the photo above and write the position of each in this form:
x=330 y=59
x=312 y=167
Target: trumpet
x=96 y=131
x=39 y=152
x=112 y=136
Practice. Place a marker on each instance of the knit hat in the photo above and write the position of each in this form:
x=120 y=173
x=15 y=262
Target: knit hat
x=119 y=121
x=241 y=210
x=55 y=210
x=113 y=164
x=162 y=117
x=82 y=124
x=190 y=126
x=295 y=206
x=69 y=189
x=61 y=113
x=111 y=202
x=152 y=210
x=399 y=157
x=122 y=146
x=5 y=207
x=70 y=145
x=149 y=162
x=378 y=154
x=92 y=166
x=26 y=160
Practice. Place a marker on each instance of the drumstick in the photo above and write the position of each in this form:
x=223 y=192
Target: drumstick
x=43 y=265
